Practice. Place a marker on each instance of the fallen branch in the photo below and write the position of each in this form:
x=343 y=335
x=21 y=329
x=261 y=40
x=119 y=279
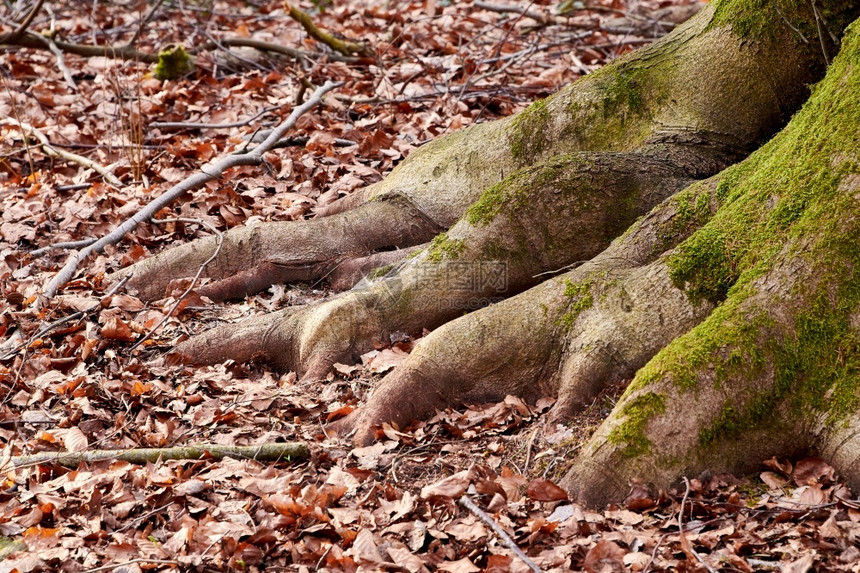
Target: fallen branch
x=68 y=155
x=31 y=40
x=61 y=64
x=129 y=52
x=500 y=533
x=290 y=451
x=125 y=564
x=345 y=47
x=207 y=173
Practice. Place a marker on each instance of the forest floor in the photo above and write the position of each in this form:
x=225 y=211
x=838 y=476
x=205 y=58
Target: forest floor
x=433 y=67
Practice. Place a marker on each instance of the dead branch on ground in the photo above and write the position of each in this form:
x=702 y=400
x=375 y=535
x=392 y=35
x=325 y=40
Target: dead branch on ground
x=207 y=173
x=289 y=451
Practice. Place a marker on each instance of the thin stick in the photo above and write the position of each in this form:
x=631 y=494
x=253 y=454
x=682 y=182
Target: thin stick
x=193 y=125
x=288 y=451
x=207 y=173
x=66 y=245
x=220 y=237
x=68 y=155
x=127 y=52
x=654 y=553
x=143 y=22
x=500 y=533
x=787 y=23
x=58 y=53
x=502 y=8
x=25 y=23
x=820 y=33
x=685 y=545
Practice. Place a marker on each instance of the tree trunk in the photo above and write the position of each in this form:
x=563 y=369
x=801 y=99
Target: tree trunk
x=732 y=304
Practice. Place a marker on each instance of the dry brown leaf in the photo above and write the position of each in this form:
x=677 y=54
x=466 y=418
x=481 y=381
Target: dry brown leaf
x=544 y=490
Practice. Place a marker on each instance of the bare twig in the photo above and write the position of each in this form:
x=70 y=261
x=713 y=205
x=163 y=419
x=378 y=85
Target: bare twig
x=61 y=63
x=220 y=237
x=68 y=155
x=502 y=8
x=820 y=33
x=289 y=451
x=207 y=173
x=143 y=22
x=787 y=23
x=500 y=533
x=25 y=23
x=58 y=53
x=194 y=125
x=66 y=245
x=654 y=553
x=685 y=543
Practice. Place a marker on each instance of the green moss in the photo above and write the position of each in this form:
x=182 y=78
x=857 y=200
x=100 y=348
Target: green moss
x=703 y=267
x=624 y=91
x=631 y=433
x=527 y=136
x=580 y=298
x=173 y=62
x=753 y=19
x=512 y=193
x=379 y=272
x=688 y=210
x=442 y=248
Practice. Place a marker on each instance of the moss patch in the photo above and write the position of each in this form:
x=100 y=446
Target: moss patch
x=527 y=136
x=513 y=192
x=580 y=298
x=442 y=248
x=9 y=546
x=753 y=19
x=631 y=433
x=379 y=272
x=173 y=62
x=624 y=91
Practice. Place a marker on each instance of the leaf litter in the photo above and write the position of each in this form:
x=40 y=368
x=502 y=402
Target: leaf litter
x=438 y=66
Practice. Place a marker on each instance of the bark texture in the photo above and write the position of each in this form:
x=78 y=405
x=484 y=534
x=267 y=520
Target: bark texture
x=731 y=302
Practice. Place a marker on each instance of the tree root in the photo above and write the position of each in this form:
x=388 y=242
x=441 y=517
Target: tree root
x=480 y=260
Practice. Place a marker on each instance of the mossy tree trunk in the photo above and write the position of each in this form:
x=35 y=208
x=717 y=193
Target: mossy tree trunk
x=732 y=304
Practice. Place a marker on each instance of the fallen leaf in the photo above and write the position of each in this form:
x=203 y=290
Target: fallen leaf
x=544 y=490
